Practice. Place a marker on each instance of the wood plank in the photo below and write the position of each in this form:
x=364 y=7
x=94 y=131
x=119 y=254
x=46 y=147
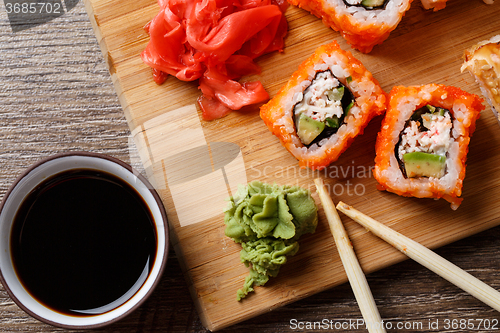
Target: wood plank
x=426 y=47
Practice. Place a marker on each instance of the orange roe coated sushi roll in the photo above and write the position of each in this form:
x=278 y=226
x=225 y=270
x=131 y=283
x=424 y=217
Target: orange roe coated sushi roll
x=326 y=103
x=423 y=144
x=362 y=23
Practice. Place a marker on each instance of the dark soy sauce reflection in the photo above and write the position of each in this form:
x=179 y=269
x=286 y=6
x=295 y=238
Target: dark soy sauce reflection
x=83 y=242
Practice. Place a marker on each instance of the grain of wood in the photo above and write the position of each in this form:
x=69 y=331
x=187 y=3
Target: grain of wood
x=426 y=257
x=56 y=95
x=202 y=247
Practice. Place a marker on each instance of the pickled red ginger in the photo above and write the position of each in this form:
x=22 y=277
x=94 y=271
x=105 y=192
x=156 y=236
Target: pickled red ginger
x=215 y=42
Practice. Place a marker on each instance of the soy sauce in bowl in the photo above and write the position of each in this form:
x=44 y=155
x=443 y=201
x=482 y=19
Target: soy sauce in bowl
x=83 y=242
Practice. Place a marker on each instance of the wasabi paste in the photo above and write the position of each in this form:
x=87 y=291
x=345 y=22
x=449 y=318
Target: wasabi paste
x=268 y=220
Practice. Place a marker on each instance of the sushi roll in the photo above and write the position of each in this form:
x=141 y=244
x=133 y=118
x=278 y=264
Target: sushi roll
x=363 y=23
x=326 y=103
x=434 y=4
x=423 y=144
x=483 y=62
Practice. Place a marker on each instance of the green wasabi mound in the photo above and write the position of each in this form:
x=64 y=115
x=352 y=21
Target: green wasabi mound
x=268 y=220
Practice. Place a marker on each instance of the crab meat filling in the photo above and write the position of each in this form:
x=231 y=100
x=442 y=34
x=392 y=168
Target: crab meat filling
x=424 y=143
x=317 y=102
x=322 y=107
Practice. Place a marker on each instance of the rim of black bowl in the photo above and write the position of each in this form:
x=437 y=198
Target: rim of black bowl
x=164 y=218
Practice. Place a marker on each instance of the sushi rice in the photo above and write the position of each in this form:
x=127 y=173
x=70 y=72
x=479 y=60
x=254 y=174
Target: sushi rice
x=362 y=27
x=369 y=101
x=452 y=141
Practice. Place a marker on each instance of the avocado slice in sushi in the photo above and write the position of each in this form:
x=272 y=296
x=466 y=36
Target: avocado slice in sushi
x=429 y=129
x=308 y=129
x=436 y=110
x=372 y=3
x=333 y=122
x=321 y=111
x=420 y=164
x=336 y=94
x=368 y=4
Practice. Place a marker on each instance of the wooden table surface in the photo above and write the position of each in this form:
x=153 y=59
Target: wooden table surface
x=56 y=95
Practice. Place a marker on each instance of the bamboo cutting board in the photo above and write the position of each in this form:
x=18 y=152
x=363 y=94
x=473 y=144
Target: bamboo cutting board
x=195 y=165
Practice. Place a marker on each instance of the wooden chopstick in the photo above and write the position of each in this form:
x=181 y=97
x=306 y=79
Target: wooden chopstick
x=426 y=257
x=357 y=279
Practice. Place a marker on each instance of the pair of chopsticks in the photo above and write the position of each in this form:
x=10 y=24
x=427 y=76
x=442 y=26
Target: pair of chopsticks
x=412 y=249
